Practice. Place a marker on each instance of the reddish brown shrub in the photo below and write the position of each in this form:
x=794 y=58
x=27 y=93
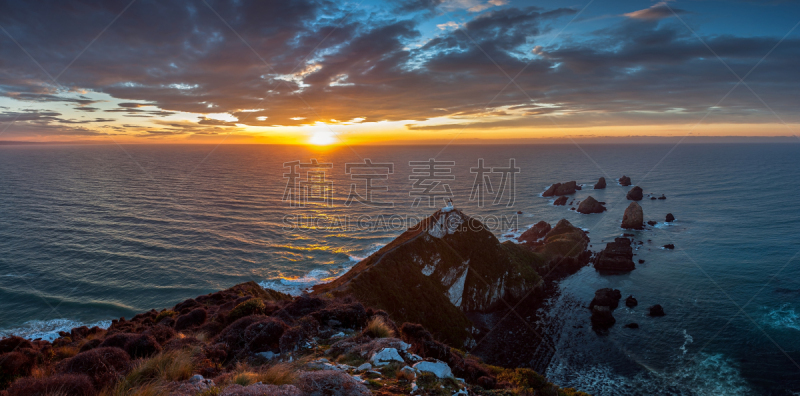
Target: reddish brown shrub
x=11 y=343
x=118 y=340
x=104 y=365
x=162 y=334
x=350 y=315
x=233 y=335
x=91 y=344
x=264 y=335
x=61 y=384
x=142 y=346
x=14 y=365
x=194 y=318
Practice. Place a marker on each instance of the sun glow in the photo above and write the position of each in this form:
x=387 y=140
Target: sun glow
x=322 y=138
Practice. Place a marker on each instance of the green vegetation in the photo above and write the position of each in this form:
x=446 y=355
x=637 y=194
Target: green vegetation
x=253 y=306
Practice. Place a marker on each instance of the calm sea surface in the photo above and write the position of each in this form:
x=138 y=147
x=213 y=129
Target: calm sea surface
x=91 y=233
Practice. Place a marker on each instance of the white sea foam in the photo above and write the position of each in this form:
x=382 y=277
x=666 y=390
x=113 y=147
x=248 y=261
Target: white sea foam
x=48 y=329
x=708 y=374
x=687 y=339
x=784 y=317
x=296 y=286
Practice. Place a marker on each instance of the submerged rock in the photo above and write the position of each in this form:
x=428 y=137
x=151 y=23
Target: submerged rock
x=652 y=222
x=635 y=194
x=561 y=201
x=632 y=326
x=559 y=189
x=624 y=181
x=590 y=205
x=670 y=218
x=633 y=217
x=601 y=184
x=669 y=246
x=617 y=256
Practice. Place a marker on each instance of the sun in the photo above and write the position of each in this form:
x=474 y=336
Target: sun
x=322 y=138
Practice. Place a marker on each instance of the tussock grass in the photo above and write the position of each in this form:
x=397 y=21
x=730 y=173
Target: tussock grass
x=378 y=328
x=276 y=374
x=149 y=375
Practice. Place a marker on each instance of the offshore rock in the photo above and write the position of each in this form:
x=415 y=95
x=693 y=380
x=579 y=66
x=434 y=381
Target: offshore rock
x=635 y=194
x=633 y=217
x=561 y=201
x=624 y=181
x=590 y=205
x=601 y=184
x=657 y=310
x=670 y=218
x=535 y=233
x=617 y=256
x=560 y=189
x=631 y=302
x=606 y=297
x=449 y=264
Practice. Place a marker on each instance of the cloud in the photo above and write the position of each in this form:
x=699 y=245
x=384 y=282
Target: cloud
x=657 y=11
x=313 y=64
x=487 y=5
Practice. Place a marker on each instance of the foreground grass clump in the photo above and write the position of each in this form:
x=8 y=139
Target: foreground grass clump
x=149 y=375
x=378 y=328
x=276 y=374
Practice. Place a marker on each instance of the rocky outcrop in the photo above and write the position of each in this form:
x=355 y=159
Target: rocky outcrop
x=601 y=184
x=624 y=181
x=607 y=297
x=449 y=264
x=590 y=205
x=534 y=234
x=670 y=218
x=631 y=302
x=617 y=256
x=604 y=303
x=633 y=219
x=560 y=189
x=656 y=310
x=635 y=194
x=561 y=201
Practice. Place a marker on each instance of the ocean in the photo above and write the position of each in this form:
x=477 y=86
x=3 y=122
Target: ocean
x=89 y=233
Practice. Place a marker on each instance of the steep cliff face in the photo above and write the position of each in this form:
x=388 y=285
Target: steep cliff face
x=448 y=264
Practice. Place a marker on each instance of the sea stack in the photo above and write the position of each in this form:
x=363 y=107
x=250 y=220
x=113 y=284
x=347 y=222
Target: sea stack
x=624 y=181
x=590 y=205
x=670 y=218
x=560 y=189
x=604 y=302
x=617 y=256
x=561 y=201
x=601 y=184
x=635 y=194
x=633 y=219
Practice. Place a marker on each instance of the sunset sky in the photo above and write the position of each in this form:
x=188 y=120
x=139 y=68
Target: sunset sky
x=396 y=70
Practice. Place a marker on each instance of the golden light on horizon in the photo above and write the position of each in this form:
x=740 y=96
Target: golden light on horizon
x=322 y=138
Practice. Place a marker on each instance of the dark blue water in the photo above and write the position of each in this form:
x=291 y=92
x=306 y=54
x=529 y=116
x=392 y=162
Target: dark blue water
x=90 y=233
